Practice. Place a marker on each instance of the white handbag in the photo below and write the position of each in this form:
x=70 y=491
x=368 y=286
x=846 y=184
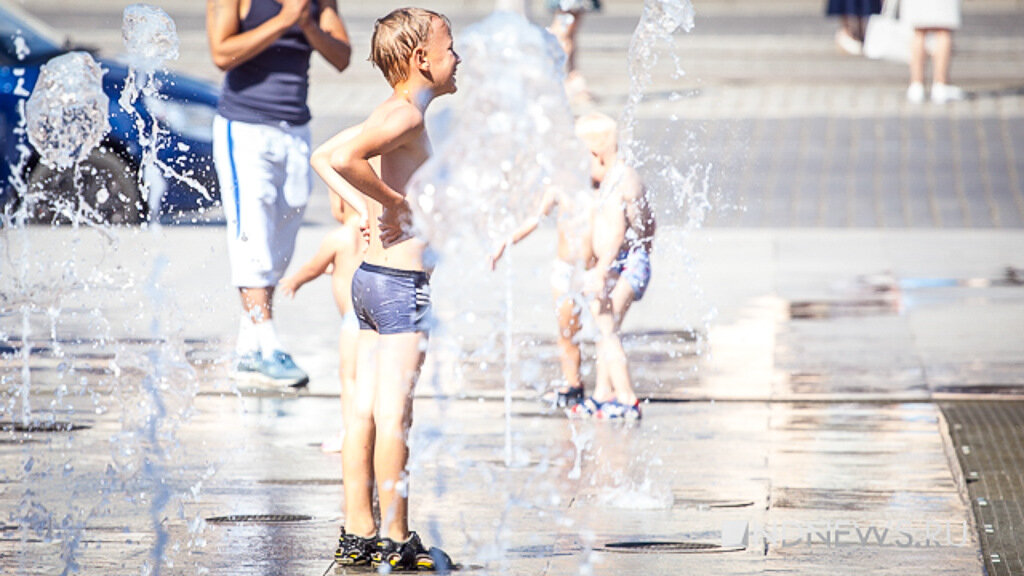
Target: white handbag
x=887 y=37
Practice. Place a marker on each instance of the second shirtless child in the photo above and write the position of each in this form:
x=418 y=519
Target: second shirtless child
x=390 y=292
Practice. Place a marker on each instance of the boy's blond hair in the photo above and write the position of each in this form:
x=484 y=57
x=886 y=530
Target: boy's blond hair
x=396 y=36
x=598 y=131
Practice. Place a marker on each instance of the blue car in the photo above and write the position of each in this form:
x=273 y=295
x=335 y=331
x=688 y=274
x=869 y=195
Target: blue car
x=108 y=180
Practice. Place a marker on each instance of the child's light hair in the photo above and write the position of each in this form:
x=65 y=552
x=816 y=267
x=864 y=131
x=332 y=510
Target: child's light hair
x=598 y=131
x=396 y=36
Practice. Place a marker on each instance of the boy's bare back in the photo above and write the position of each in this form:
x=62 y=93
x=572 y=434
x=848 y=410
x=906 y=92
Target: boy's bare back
x=400 y=118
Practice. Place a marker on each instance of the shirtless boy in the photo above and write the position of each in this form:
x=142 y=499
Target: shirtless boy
x=622 y=239
x=390 y=292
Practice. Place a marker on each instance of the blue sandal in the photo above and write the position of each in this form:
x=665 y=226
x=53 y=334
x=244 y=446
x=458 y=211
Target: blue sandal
x=589 y=408
x=615 y=410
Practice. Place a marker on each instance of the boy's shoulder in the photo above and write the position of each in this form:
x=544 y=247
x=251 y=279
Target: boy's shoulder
x=398 y=112
x=630 y=185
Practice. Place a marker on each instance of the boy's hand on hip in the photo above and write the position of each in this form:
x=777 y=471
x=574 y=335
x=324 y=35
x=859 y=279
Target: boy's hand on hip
x=395 y=224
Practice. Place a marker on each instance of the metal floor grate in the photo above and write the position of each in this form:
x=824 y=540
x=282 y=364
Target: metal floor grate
x=989 y=441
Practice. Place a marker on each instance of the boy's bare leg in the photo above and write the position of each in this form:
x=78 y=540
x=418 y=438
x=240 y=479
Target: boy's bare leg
x=568 y=313
x=612 y=364
x=399 y=357
x=347 y=354
x=357 y=404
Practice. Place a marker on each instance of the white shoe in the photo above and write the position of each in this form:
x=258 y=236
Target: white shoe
x=848 y=43
x=942 y=93
x=915 y=93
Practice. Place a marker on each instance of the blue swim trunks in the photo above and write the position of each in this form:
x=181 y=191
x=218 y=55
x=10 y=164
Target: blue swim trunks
x=634 y=265
x=391 y=301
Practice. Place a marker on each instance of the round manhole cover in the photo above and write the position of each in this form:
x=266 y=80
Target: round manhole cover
x=661 y=547
x=259 y=518
x=41 y=427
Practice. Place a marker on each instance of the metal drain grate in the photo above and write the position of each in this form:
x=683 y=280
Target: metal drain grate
x=259 y=519
x=660 y=547
x=988 y=438
x=42 y=427
x=681 y=502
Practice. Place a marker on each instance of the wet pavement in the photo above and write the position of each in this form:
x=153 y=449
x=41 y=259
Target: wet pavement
x=796 y=353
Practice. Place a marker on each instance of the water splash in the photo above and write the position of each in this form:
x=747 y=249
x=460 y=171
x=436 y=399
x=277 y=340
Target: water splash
x=67 y=114
x=148 y=381
x=659 y=20
x=512 y=138
x=151 y=40
x=150 y=36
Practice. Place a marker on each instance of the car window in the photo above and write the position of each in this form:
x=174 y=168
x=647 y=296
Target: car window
x=19 y=36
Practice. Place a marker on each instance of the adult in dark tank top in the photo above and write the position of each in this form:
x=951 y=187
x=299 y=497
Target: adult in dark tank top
x=264 y=46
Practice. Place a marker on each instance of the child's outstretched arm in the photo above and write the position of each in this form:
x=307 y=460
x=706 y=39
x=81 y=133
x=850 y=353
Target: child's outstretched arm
x=316 y=266
x=321 y=163
x=547 y=203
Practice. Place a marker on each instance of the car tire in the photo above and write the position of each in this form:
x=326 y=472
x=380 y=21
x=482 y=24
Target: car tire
x=106 y=192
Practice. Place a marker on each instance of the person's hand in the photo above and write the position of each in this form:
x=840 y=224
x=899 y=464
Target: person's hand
x=395 y=224
x=364 y=227
x=497 y=255
x=295 y=10
x=288 y=286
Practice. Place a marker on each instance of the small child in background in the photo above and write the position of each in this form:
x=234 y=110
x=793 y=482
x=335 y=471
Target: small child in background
x=622 y=236
x=573 y=256
x=340 y=253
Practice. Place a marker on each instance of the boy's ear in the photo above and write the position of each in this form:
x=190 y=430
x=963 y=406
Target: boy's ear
x=419 y=58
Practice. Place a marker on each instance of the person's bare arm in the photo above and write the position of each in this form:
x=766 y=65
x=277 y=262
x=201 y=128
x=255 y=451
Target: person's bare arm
x=229 y=47
x=321 y=163
x=351 y=159
x=316 y=266
x=328 y=36
x=547 y=203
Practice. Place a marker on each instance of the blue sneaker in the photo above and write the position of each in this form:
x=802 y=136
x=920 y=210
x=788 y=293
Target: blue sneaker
x=280 y=369
x=246 y=366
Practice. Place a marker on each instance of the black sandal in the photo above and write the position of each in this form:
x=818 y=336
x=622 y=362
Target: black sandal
x=569 y=397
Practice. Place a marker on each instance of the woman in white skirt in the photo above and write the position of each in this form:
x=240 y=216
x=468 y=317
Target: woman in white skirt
x=938 y=18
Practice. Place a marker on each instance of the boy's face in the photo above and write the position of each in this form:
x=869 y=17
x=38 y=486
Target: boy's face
x=442 y=57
